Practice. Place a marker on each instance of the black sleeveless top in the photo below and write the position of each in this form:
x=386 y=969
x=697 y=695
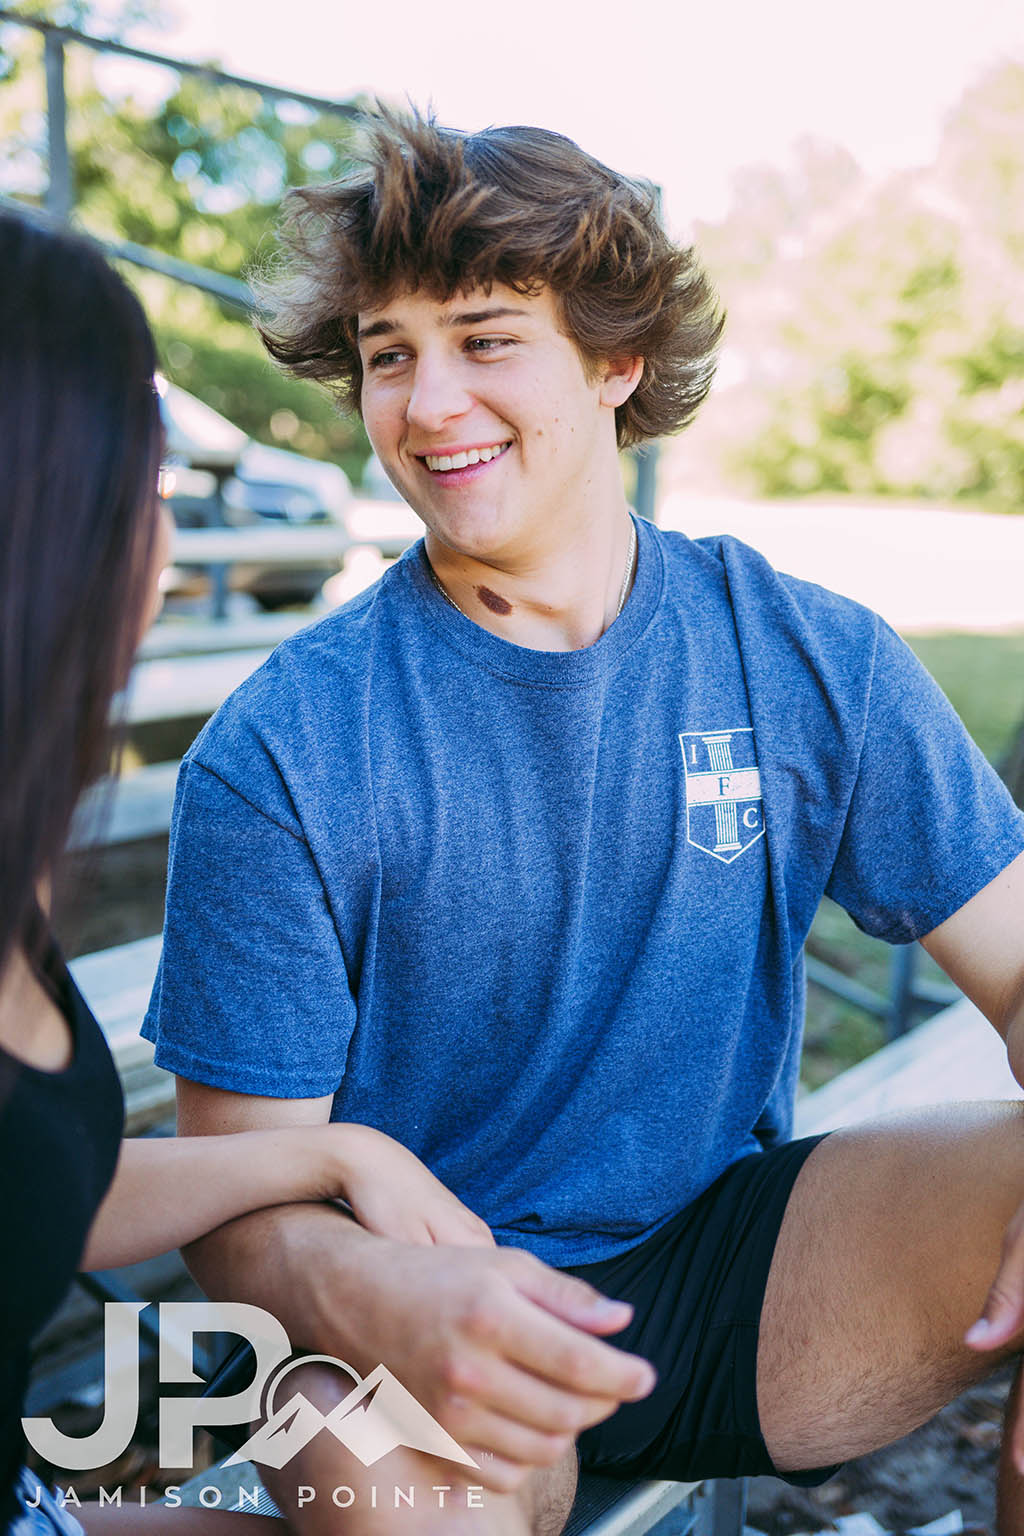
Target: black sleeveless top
x=59 y=1139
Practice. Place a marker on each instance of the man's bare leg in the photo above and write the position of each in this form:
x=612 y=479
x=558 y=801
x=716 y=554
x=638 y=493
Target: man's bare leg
x=434 y=1495
x=889 y=1246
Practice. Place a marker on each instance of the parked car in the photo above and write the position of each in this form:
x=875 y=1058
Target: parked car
x=222 y=478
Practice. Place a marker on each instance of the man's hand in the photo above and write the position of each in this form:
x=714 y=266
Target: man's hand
x=502 y=1350
x=1002 y=1320
x=1002 y=1316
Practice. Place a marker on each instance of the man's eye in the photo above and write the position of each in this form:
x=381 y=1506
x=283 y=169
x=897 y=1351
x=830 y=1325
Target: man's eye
x=489 y=343
x=387 y=359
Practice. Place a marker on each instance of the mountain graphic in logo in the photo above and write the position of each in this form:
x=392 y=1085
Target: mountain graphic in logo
x=378 y=1416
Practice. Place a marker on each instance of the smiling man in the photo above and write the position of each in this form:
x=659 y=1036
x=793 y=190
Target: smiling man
x=488 y=424
x=513 y=858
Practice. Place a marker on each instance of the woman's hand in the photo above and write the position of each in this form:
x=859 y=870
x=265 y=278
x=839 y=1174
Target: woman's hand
x=395 y=1195
x=170 y=1191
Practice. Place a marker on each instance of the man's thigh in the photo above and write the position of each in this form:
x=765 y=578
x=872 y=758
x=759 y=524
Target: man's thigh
x=890 y=1241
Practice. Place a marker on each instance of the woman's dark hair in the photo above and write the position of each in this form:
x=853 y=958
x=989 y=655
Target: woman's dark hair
x=80 y=444
x=427 y=208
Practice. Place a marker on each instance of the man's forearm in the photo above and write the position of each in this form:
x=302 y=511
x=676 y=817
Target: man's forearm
x=310 y=1266
x=513 y=1361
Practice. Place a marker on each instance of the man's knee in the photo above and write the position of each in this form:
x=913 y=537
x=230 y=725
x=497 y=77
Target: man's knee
x=548 y=1495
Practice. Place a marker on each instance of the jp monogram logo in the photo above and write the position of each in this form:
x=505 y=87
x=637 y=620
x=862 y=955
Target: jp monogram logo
x=724 y=812
x=376 y=1417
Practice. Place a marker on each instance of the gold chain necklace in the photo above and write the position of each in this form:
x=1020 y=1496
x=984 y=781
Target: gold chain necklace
x=626 y=575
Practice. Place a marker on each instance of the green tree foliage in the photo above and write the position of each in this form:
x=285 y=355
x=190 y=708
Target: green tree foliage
x=882 y=326
x=197 y=171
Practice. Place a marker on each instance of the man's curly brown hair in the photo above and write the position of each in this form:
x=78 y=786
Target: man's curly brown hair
x=432 y=210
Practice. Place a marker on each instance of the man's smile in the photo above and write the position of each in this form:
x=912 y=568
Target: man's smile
x=462 y=458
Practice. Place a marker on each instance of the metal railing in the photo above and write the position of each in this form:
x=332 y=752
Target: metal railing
x=910 y=997
x=59 y=202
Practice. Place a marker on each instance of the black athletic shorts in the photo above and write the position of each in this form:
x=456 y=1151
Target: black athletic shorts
x=697 y=1286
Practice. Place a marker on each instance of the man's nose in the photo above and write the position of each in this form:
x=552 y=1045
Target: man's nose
x=438 y=395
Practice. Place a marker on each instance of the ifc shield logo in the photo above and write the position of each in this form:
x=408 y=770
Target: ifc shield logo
x=724 y=811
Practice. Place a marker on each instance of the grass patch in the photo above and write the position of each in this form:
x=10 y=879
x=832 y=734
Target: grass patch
x=983 y=678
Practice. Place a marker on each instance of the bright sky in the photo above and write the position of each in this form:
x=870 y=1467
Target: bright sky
x=679 y=92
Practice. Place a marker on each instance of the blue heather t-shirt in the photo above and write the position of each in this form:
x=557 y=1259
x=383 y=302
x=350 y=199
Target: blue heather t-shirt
x=539 y=915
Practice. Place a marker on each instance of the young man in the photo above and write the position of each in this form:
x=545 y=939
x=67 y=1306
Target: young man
x=514 y=856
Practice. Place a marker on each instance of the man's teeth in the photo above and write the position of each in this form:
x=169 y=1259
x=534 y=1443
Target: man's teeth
x=463 y=460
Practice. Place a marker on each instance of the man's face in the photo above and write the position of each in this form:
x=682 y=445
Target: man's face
x=481 y=412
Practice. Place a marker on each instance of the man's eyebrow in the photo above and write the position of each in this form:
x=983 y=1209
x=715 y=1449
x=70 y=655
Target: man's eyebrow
x=385 y=327
x=378 y=328
x=478 y=316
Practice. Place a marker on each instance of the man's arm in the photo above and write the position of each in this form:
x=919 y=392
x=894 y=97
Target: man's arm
x=981 y=948
x=504 y=1351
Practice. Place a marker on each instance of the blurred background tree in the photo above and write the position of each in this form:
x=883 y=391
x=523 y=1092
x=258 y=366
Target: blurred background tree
x=875 y=343
x=876 y=330
x=195 y=170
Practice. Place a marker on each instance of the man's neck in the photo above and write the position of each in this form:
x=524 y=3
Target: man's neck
x=558 y=601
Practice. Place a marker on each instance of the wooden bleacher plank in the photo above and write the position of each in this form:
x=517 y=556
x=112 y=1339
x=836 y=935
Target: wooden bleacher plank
x=389 y=526
x=138 y=805
x=284 y=545
x=604 y=1509
x=117 y=982
x=955 y=1055
x=183 y=687
x=175 y=636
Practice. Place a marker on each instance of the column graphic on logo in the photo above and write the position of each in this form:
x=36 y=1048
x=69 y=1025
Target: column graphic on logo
x=724 y=812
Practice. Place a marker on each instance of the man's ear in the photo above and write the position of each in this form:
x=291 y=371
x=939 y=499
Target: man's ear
x=620 y=376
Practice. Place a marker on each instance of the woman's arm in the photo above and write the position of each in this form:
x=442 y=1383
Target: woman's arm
x=169 y=1191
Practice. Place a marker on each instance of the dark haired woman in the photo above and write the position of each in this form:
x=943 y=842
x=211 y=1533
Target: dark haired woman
x=81 y=546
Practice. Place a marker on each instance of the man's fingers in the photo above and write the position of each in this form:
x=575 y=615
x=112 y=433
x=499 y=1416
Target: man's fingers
x=550 y=1332
x=528 y=1399
x=562 y=1353
x=1003 y=1313
x=573 y=1300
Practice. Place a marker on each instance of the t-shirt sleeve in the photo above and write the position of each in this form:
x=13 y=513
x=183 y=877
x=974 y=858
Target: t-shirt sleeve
x=929 y=823
x=251 y=994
